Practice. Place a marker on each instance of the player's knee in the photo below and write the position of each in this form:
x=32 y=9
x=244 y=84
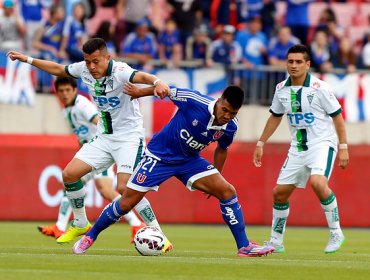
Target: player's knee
x=227 y=192
x=280 y=195
x=68 y=175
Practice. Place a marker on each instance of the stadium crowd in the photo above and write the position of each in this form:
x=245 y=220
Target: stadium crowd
x=196 y=33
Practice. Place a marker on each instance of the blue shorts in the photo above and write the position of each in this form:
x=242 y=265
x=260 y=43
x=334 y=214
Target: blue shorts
x=151 y=172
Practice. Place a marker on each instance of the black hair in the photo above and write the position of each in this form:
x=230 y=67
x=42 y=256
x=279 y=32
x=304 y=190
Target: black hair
x=303 y=49
x=93 y=45
x=234 y=95
x=65 y=81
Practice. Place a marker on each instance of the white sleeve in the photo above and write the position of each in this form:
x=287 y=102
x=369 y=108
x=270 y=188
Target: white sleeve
x=276 y=108
x=329 y=102
x=75 y=69
x=87 y=109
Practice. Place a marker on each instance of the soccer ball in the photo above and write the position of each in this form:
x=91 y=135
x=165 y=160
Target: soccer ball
x=149 y=241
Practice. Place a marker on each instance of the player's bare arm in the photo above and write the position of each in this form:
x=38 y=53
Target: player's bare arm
x=161 y=89
x=343 y=156
x=50 y=67
x=272 y=124
x=219 y=158
x=137 y=92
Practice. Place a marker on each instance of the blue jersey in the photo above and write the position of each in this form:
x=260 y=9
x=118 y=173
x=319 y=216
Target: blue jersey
x=191 y=129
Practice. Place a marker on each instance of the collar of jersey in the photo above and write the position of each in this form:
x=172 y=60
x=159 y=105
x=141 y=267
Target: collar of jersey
x=211 y=108
x=110 y=68
x=306 y=82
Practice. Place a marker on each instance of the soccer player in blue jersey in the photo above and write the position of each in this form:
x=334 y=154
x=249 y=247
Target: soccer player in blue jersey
x=175 y=151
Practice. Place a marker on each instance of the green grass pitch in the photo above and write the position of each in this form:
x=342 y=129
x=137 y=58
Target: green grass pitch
x=200 y=252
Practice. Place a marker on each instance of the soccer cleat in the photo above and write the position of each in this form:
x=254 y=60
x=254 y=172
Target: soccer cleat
x=73 y=232
x=167 y=246
x=279 y=248
x=82 y=245
x=335 y=242
x=51 y=230
x=135 y=229
x=254 y=250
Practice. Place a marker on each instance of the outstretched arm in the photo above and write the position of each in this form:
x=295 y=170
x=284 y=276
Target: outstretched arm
x=161 y=89
x=343 y=156
x=136 y=92
x=271 y=125
x=50 y=67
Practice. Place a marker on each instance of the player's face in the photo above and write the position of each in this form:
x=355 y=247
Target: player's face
x=224 y=112
x=66 y=94
x=97 y=63
x=297 y=66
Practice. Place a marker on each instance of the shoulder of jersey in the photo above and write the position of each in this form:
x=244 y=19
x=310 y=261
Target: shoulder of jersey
x=280 y=85
x=318 y=84
x=120 y=66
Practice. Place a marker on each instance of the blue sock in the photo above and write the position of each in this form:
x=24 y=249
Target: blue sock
x=233 y=216
x=111 y=214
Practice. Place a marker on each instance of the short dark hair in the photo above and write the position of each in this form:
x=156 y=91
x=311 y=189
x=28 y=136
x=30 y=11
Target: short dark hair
x=299 y=48
x=65 y=81
x=93 y=45
x=234 y=95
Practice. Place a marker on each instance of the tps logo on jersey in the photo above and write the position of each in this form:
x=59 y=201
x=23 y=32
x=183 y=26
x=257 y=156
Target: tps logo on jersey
x=301 y=119
x=190 y=141
x=102 y=101
x=81 y=130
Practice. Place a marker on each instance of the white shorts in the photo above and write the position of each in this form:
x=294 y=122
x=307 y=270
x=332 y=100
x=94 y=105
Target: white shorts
x=101 y=152
x=299 y=166
x=108 y=173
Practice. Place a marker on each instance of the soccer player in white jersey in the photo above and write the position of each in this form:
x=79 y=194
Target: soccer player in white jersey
x=312 y=110
x=82 y=116
x=175 y=151
x=120 y=134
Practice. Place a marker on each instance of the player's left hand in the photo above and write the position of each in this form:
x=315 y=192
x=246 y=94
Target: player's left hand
x=343 y=158
x=132 y=90
x=257 y=156
x=161 y=89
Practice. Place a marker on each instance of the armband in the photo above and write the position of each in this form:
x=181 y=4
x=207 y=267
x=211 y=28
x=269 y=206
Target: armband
x=29 y=60
x=343 y=146
x=260 y=143
x=155 y=82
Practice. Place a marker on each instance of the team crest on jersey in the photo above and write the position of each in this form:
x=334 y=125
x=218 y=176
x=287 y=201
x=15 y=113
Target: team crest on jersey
x=296 y=105
x=218 y=134
x=205 y=133
x=195 y=122
x=310 y=97
x=141 y=178
x=110 y=83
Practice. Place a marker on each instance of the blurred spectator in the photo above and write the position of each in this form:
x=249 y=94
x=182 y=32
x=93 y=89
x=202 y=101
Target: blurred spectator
x=228 y=12
x=197 y=46
x=47 y=41
x=31 y=12
x=345 y=56
x=12 y=28
x=140 y=45
x=320 y=52
x=225 y=50
x=268 y=17
x=328 y=23
x=279 y=46
x=128 y=14
x=254 y=45
x=187 y=14
x=169 y=45
x=297 y=18
x=105 y=31
x=366 y=53
x=74 y=35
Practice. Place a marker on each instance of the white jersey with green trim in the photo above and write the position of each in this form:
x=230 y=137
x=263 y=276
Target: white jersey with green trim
x=119 y=115
x=79 y=116
x=309 y=109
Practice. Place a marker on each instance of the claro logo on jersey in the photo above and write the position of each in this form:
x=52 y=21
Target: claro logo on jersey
x=101 y=101
x=301 y=119
x=184 y=134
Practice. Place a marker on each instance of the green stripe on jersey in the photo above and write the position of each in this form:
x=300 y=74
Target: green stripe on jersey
x=69 y=118
x=329 y=162
x=139 y=152
x=107 y=122
x=296 y=105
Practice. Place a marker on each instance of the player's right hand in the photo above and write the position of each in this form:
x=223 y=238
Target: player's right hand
x=257 y=156
x=13 y=55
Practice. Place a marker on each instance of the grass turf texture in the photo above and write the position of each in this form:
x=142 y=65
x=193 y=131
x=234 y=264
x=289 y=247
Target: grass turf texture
x=201 y=252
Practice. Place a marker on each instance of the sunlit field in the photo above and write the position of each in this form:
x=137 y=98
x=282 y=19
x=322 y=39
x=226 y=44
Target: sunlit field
x=200 y=252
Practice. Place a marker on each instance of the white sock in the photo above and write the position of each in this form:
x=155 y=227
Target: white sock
x=76 y=198
x=330 y=208
x=132 y=219
x=280 y=214
x=145 y=211
x=65 y=211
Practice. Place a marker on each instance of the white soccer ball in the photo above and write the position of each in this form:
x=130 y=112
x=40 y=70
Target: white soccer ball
x=149 y=241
